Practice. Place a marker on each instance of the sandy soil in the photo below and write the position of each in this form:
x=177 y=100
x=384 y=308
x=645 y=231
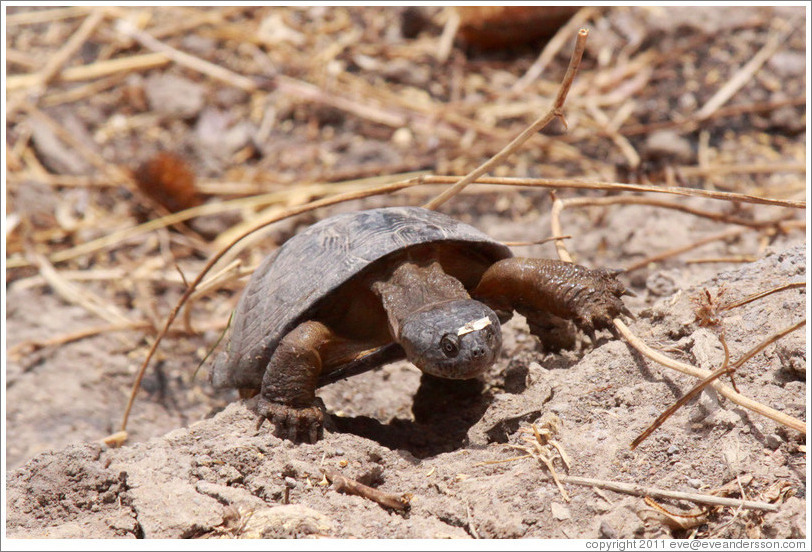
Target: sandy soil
x=196 y=466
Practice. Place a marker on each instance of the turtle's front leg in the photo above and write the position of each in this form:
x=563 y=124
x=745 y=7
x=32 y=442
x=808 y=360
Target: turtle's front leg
x=288 y=396
x=537 y=288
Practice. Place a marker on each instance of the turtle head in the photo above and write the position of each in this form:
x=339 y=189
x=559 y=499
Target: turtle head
x=455 y=339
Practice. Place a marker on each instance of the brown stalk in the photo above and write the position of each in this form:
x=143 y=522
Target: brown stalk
x=673 y=205
x=731 y=259
x=713 y=376
x=726 y=235
x=761 y=294
x=344 y=484
x=207 y=209
x=696 y=390
x=579 y=184
x=764 y=344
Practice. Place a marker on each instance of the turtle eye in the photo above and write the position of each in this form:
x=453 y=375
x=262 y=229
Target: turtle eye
x=449 y=345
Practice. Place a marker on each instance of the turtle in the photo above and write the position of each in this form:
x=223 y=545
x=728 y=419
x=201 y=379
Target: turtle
x=361 y=289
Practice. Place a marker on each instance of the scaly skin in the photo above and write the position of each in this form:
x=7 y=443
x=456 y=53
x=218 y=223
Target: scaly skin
x=539 y=287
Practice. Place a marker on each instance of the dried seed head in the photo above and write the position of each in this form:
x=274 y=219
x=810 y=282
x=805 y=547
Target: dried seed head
x=168 y=180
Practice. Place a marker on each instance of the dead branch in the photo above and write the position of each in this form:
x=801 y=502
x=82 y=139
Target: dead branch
x=344 y=484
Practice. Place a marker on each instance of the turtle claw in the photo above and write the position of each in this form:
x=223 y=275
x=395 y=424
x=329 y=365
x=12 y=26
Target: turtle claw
x=625 y=311
x=291 y=423
x=604 y=305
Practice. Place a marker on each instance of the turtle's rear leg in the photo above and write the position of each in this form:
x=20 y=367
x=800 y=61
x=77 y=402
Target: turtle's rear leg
x=288 y=396
x=540 y=287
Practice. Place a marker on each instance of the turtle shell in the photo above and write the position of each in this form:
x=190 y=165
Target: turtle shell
x=313 y=264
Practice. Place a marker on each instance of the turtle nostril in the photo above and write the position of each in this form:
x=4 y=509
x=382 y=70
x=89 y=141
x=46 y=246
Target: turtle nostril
x=478 y=352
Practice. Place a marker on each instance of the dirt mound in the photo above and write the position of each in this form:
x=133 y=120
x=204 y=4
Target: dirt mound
x=223 y=477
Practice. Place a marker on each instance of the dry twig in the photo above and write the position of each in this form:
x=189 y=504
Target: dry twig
x=552 y=48
x=344 y=484
x=722 y=389
x=759 y=295
x=640 y=490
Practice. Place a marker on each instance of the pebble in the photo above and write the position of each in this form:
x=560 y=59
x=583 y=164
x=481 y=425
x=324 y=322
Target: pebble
x=669 y=144
x=788 y=64
x=607 y=531
x=53 y=153
x=403 y=138
x=290 y=482
x=661 y=284
x=560 y=512
x=695 y=483
x=173 y=95
x=773 y=441
x=673 y=449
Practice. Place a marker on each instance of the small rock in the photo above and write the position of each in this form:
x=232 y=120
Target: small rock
x=707 y=349
x=54 y=154
x=788 y=63
x=773 y=441
x=672 y=449
x=695 y=483
x=668 y=144
x=687 y=101
x=174 y=96
x=559 y=511
x=403 y=138
x=661 y=284
x=216 y=136
x=285 y=522
x=607 y=531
